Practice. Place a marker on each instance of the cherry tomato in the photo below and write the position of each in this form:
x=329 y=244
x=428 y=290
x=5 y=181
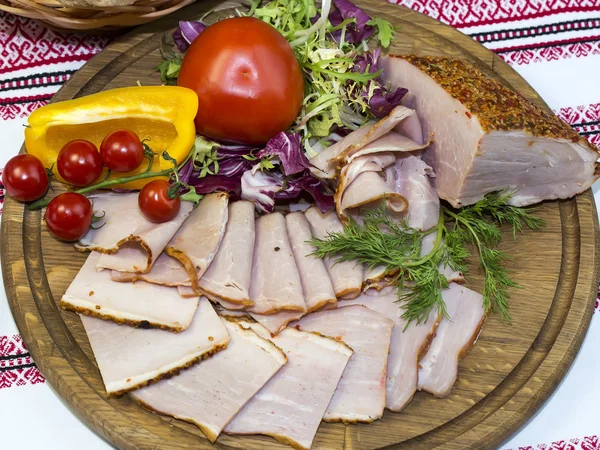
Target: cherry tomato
x=155 y=204
x=25 y=178
x=122 y=151
x=79 y=162
x=248 y=80
x=69 y=216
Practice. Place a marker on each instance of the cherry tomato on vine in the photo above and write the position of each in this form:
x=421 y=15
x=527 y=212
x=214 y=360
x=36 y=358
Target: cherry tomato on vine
x=25 y=178
x=122 y=151
x=69 y=216
x=79 y=162
x=248 y=80
x=155 y=204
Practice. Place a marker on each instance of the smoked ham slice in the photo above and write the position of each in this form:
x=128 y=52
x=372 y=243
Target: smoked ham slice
x=130 y=358
x=489 y=138
x=140 y=304
x=316 y=285
x=391 y=142
x=326 y=162
x=228 y=276
x=290 y=407
x=128 y=241
x=454 y=338
x=413 y=183
x=211 y=393
x=166 y=271
x=360 y=395
x=197 y=240
x=407 y=347
x=346 y=277
x=363 y=182
x=275 y=284
x=276 y=322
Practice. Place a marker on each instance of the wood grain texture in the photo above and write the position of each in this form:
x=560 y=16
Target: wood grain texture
x=504 y=379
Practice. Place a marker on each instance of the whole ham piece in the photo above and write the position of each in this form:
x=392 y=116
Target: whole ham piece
x=454 y=337
x=127 y=240
x=228 y=276
x=346 y=277
x=407 y=347
x=139 y=304
x=360 y=395
x=129 y=358
x=290 y=407
x=275 y=284
x=211 y=393
x=489 y=138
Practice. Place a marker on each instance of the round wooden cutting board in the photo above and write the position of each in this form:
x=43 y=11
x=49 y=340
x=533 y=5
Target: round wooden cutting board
x=503 y=380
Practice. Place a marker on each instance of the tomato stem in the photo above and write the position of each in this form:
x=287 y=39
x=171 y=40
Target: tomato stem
x=39 y=204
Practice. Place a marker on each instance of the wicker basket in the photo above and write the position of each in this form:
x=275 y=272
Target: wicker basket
x=76 y=15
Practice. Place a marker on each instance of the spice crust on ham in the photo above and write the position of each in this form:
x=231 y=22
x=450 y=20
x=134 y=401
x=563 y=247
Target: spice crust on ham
x=488 y=138
x=143 y=305
x=122 y=352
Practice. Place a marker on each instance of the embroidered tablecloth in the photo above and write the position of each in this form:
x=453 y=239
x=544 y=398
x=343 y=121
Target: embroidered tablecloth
x=553 y=44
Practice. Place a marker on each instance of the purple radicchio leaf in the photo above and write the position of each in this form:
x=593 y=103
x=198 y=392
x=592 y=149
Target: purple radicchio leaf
x=313 y=186
x=216 y=183
x=260 y=188
x=383 y=101
x=366 y=60
x=355 y=32
x=288 y=148
x=186 y=32
x=186 y=171
x=233 y=166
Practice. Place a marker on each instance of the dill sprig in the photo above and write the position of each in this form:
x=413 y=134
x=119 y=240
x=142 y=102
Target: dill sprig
x=380 y=240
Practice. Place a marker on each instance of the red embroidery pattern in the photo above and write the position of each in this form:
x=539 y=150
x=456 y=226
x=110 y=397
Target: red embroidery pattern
x=26 y=43
x=551 y=51
x=2 y=194
x=16 y=366
x=462 y=13
x=585 y=443
x=581 y=114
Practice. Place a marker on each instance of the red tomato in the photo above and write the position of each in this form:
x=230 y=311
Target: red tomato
x=248 y=80
x=69 y=216
x=79 y=162
x=25 y=178
x=155 y=204
x=122 y=151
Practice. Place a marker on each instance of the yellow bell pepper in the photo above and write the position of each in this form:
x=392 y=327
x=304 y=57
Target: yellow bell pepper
x=164 y=115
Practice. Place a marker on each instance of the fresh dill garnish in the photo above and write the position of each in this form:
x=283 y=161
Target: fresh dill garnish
x=381 y=241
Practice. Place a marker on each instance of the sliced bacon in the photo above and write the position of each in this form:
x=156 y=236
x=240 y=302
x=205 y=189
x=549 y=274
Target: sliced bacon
x=228 y=276
x=130 y=358
x=316 y=285
x=140 y=304
x=360 y=395
x=211 y=393
x=276 y=284
x=454 y=338
x=166 y=271
x=197 y=241
x=127 y=240
x=290 y=407
x=346 y=277
x=408 y=345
